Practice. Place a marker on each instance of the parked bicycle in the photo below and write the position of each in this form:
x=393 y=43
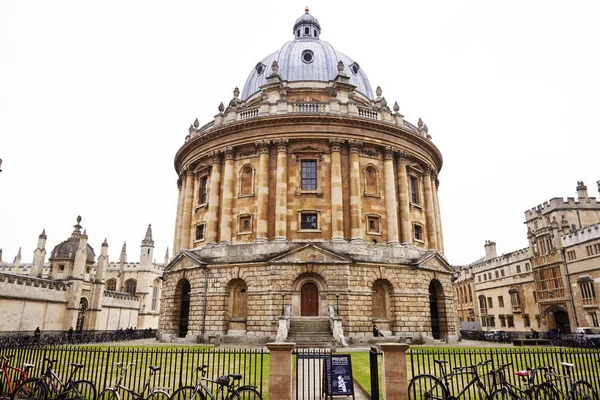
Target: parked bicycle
x=506 y=390
x=148 y=392
x=50 y=385
x=226 y=388
x=8 y=385
x=426 y=386
x=572 y=390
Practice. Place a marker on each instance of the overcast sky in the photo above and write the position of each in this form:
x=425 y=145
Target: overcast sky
x=96 y=98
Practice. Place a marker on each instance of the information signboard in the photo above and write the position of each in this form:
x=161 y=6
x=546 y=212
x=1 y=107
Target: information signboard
x=337 y=377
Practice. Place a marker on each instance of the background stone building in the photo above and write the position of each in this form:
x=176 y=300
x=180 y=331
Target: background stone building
x=73 y=290
x=307 y=195
x=550 y=284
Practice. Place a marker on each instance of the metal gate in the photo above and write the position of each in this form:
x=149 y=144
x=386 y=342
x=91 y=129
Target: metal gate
x=374 y=355
x=308 y=380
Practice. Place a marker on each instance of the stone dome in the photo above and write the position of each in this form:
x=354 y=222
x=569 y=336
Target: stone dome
x=67 y=248
x=307 y=58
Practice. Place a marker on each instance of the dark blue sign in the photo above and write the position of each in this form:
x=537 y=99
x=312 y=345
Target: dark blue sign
x=338 y=376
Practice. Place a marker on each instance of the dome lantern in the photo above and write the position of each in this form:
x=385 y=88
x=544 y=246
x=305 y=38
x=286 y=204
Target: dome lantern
x=307 y=26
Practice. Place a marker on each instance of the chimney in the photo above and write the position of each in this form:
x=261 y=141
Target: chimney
x=490 y=250
x=581 y=191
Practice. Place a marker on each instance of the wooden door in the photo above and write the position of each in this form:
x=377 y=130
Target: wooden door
x=309 y=295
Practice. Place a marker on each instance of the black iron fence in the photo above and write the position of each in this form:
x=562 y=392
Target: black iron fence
x=309 y=369
x=586 y=361
x=554 y=337
x=55 y=338
x=178 y=366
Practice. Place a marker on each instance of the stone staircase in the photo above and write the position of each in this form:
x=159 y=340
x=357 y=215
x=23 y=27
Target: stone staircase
x=310 y=332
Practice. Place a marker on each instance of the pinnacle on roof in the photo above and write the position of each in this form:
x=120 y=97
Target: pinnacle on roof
x=148 y=239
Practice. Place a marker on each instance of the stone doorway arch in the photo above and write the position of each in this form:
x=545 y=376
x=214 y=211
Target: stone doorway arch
x=182 y=296
x=309 y=300
x=309 y=296
x=438 y=310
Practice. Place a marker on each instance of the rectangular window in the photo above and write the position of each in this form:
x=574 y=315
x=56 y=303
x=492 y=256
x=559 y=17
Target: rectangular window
x=202 y=198
x=492 y=321
x=309 y=175
x=502 y=272
x=537 y=320
x=594 y=317
x=527 y=267
x=590 y=250
x=526 y=322
x=510 y=321
x=244 y=223
x=502 y=321
x=200 y=232
x=373 y=224
x=571 y=255
x=418 y=232
x=597 y=248
x=588 y=293
x=518 y=269
x=479 y=276
x=500 y=301
x=497 y=274
x=308 y=221
x=414 y=189
x=154 y=298
x=490 y=302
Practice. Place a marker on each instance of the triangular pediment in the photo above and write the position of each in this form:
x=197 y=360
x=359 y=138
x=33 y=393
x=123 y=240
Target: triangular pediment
x=434 y=261
x=309 y=150
x=312 y=254
x=183 y=260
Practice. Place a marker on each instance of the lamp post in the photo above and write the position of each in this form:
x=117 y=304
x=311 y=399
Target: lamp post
x=337 y=304
x=282 y=305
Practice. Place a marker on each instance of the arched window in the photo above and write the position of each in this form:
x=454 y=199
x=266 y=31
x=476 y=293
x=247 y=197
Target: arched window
x=246 y=180
x=482 y=305
x=371 y=181
x=111 y=285
x=130 y=286
x=155 y=294
x=470 y=295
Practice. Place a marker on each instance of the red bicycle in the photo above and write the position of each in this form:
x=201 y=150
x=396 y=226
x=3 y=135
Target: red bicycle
x=7 y=390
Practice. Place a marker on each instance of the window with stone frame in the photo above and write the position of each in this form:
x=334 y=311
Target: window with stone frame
x=510 y=321
x=111 y=285
x=491 y=321
x=309 y=221
x=418 y=232
x=594 y=318
x=571 y=255
x=200 y=231
x=588 y=292
x=371 y=181
x=549 y=283
x=526 y=321
x=482 y=305
x=415 y=197
x=244 y=225
x=155 y=294
x=470 y=295
x=500 y=301
x=502 y=320
x=373 y=224
x=203 y=190
x=246 y=181
x=130 y=286
x=497 y=273
x=515 y=300
x=308 y=175
x=308 y=168
x=490 y=302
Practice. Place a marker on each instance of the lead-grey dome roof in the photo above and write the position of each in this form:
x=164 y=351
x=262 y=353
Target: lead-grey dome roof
x=307 y=58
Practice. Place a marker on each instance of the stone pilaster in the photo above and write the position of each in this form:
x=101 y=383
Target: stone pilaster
x=227 y=202
x=436 y=202
x=178 y=217
x=403 y=194
x=355 y=198
x=429 y=210
x=337 y=209
x=394 y=377
x=186 y=219
x=281 y=191
x=214 y=200
x=280 y=370
x=391 y=206
x=262 y=206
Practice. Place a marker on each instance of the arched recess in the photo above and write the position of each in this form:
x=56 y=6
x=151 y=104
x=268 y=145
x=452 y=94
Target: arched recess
x=83 y=306
x=246 y=181
x=381 y=304
x=307 y=290
x=130 y=286
x=558 y=318
x=182 y=307
x=236 y=306
x=438 y=312
x=111 y=285
x=371 y=178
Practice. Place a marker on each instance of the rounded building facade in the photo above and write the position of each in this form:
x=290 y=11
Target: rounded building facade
x=307 y=196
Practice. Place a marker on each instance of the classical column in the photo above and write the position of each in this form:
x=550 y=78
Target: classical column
x=227 y=202
x=391 y=206
x=404 y=193
x=438 y=220
x=212 y=216
x=429 y=210
x=337 y=209
x=262 y=207
x=355 y=197
x=281 y=192
x=187 y=211
x=177 y=233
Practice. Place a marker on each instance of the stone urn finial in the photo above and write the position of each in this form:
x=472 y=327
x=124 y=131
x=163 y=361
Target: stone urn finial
x=340 y=67
x=420 y=123
x=396 y=107
x=221 y=107
x=275 y=67
x=196 y=123
x=236 y=92
x=378 y=91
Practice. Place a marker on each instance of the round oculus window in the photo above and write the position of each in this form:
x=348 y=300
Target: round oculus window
x=308 y=56
x=355 y=68
x=260 y=68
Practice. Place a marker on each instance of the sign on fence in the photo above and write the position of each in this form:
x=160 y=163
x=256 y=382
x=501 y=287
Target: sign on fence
x=337 y=376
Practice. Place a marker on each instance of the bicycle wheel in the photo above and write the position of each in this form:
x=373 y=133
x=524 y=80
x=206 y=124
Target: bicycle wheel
x=31 y=389
x=187 y=393
x=544 y=391
x=426 y=387
x=247 y=393
x=502 y=394
x=158 y=395
x=108 y=394
x=582 y=390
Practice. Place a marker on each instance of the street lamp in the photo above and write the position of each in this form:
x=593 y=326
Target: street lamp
x=337 y=304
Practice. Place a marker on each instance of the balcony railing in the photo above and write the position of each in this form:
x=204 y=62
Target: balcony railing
x=366 y=113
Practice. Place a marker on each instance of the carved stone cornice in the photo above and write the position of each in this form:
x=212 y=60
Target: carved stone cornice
x=335 y=144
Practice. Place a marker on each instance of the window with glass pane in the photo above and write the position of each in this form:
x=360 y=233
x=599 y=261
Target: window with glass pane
x=308 y=221
x=309 y=175
x=203 y=190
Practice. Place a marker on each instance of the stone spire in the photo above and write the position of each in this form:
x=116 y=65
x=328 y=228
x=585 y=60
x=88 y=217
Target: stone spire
x=147 y=248
x=16 y=262
x=39 y=256
x=80 y=256
x=102 y=262
x=166 y=256
x=1 y=255
x=123 y=256
x=77 y=228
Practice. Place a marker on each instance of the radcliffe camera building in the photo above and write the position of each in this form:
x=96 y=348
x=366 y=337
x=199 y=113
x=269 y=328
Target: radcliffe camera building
x=307 y=196
x=551 y=284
